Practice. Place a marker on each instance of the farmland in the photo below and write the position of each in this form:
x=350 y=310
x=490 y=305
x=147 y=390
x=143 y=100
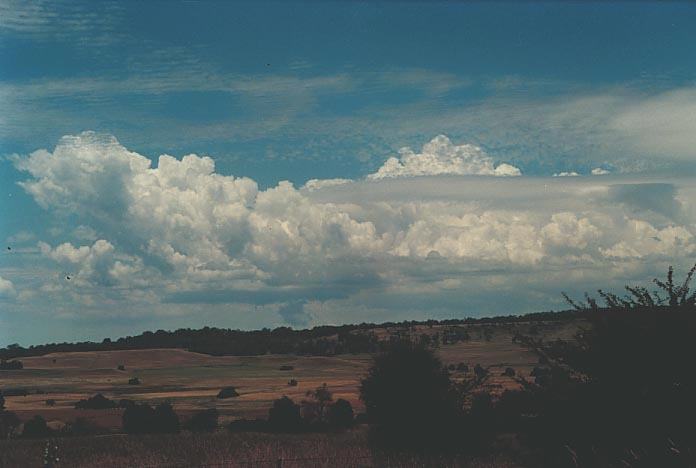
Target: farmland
x=191 y=381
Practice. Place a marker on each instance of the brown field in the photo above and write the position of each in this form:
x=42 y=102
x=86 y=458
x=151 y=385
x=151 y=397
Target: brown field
x=191 y=381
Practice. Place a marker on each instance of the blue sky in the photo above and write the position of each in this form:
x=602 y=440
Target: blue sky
x=266 y=92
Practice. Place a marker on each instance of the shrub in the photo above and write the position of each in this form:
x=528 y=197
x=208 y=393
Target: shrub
x=409 y=398
x=341 y=414
x=2 y=402
x=50 y=402
x=227 y=392
x=203 y=421
x=462 y=367
x=292 y=383
x=11 y=365
x=143 y=419
x=509 y=372
x=36 y=428
x=248 y=425
x=98 y=401
x=125 y=403
x=9 y=422
x=121 y=367
x=286 y=368
x=284 y=416
x=480 y=372
x=134 y=381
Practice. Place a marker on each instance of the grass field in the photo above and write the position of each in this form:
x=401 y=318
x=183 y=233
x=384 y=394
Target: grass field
x=221 y=449
x=191 y=381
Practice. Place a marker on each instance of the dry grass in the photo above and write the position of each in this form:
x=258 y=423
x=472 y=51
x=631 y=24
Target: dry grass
x=230 y=450
x=191 y=381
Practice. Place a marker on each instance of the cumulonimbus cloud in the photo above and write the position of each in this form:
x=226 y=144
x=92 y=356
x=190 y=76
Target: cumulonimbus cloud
x=181 y=230
x=441 y=157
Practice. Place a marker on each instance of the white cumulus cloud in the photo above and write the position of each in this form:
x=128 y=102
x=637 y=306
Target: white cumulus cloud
x=440 y=156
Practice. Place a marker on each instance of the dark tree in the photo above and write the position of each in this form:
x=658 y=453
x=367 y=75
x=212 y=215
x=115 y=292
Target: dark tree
x=409 y=398
x=227 y=392
x=166 y=420
x=203 y=421
x=143 y=419
x=341 y=414
x=134 y=381
x=626 y=383
x=2 y=402
x=284 y=416
x=98 y=401
x=292 y=383
x=36 y=428
x=9 y=422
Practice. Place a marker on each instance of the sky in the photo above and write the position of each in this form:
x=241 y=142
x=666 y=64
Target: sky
x=248 y=165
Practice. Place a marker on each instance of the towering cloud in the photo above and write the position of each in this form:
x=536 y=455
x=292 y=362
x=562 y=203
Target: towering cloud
x=182 y=232
x=440 y=156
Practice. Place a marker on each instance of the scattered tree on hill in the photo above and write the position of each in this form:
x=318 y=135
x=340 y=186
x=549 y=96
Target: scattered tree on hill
x=98 y=401
x=480 y=372
x=321 y=397
x=227 y=392
x=284 y=416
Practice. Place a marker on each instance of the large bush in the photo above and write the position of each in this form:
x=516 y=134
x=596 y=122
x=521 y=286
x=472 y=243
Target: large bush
x=341 y=414
x=409 y=398
x=143 y=419
x=624 y=388
x=36 y=428
x=98 y=401
x=284 y=416
x=203 y=421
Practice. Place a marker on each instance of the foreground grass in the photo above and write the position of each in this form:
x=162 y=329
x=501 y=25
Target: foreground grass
x=225 y=450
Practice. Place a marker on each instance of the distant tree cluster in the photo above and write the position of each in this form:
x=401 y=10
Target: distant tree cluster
x=318 y=341
x=98 y=401
x=11 y=365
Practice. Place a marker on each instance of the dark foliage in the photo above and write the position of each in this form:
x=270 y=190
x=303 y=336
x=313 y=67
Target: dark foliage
x=36 y=428
x=121 y=367
x=203 y=421
x=134 y=381
x=248 y=425
x=410 y=400
x=341 y=414
x=50 y=402
x=322 y=340
x=227 y=392
x=623 y=391
x=125 y=403
x=81 y=427
x=9 y=422
x=2 y=402
x=11 y=365
x=286 y=368
x=98 y=401
x=284 y=416
x=292 y=383
x=143 y=419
